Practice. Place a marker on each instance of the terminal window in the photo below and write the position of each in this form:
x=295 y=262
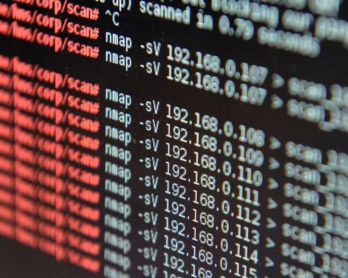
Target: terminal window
x=174 y=138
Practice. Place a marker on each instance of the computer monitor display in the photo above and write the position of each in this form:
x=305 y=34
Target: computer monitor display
x=188 y=138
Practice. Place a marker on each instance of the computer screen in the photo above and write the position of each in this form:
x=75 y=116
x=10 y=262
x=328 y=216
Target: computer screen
x=174 y=138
